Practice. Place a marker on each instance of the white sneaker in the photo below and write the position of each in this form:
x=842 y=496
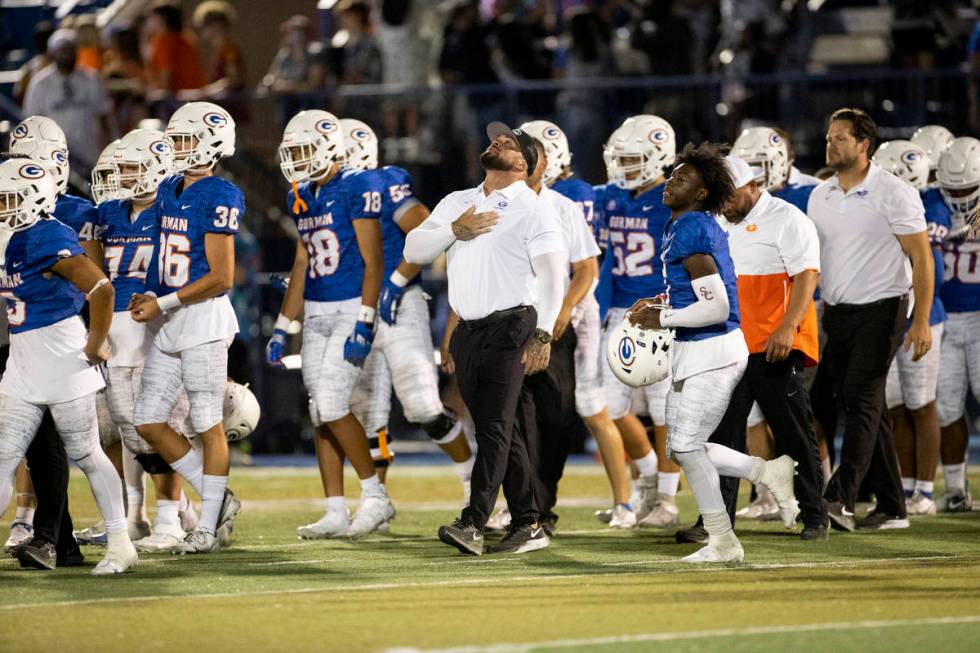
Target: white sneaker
x=188 y=517
x=333 y=524
x=721 y=548
x=920 y=504
x=664 y=514
x=197 y=541
x=621 y=517
x=955 y=501
x=230 y=508
x=120 y=555
x=163 y=538
x=138 y=529
x=499 y=521
x=778 y=479
x=764 y=508
x=94 y=536
x=644 y=497
x=373 y=512
x=20 y=532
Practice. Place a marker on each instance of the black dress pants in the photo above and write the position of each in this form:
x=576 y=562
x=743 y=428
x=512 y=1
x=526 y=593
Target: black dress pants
x=861 y=342
x=781 y=393
x=487 y=354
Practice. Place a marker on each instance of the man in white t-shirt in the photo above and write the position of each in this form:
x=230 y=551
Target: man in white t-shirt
x=874 y=249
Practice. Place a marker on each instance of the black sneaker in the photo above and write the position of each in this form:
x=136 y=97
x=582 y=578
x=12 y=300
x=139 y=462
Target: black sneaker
x=71 y=557
x=464 y=536
x=880 y=521
x=38 y=554
x=550 y=525
x=811 y=533
x=841 y=519
x=522 y=539
x=692 y=535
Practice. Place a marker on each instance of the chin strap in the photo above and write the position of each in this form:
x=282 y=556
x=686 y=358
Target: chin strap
x=299 y=205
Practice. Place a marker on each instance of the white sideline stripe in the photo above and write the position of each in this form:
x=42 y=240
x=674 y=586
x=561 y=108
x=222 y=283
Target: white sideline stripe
x=781 y=565
x=693 y=634
x=294 y=562
x=682 y=567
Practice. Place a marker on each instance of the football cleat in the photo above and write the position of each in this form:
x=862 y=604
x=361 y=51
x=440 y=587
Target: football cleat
x=163 y=538
x=93 y=536
x=645 y=496
x=138 y=529
x=764 y=508
x=372 y=513
x=920 y=504
x=120 y=555
x=499 y=522
x=664 y=514
x=199 y=540
x=778 y=479
x=605 y=516
x=188 y=516
x=621 y=517
x=20 y=533
x=333 y=524
x=721 y=548
x=958 y=501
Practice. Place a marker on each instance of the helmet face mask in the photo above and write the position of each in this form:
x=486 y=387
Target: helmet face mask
x=360 y=144
x=958 y=175
x=105 y=182
x=764 y=148
x=27 y=193
x=905 y=160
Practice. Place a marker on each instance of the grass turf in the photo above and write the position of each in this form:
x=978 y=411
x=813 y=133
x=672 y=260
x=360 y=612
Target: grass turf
x=593 y=589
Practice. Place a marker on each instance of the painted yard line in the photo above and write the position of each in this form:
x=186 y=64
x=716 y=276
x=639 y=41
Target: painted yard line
x=472 y=560
x=694 y=634
x=294 y=562
x=682 y=567
x=781 y=565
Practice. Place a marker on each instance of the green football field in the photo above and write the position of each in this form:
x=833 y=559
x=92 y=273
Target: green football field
x=592 y=590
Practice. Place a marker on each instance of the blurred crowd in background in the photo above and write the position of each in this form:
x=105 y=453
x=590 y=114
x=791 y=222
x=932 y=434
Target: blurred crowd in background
x=428 y=75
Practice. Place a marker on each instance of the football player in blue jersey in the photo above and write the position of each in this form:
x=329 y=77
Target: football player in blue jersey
x=199 y=217
x=560 y=177
x=766 y=148
x=934 y=139
x=403 y=334
x=709 y=353
x=105 y=180
x=335 y=283
x=46 y=279
x=637 y=155
x=910 y=389
x=958 y=175
x=127 y=232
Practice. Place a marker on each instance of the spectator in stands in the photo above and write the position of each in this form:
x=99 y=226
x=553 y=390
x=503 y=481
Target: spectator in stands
x=42 y=32
x=73 y=98
x=361 y=58
x=89 y=43
x=174 y=60
x=294 y=72
x=125 y=76
x=973 y=89
x=224 y=67
x=398 y=53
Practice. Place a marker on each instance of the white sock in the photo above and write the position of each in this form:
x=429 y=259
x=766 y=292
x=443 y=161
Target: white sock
x=135 y=478
x=212 y=496
x=184 y=502
x=925 y=488
x=717 y=522
x=372 y=487
x=104 y=479
x=667 y=483
x=464 y=470
x=336 y=504
x=729 y=462
x=24 y=514
x=167 y=512
x=647 y=465
x=955 y=476
x=191 y=467
x=908 y=486
x=827 y=471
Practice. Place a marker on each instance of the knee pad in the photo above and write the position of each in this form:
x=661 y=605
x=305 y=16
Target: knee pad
x=443 y=429
x=133 y=442
x=80 y=444
x=380 y=453
x=153 y=463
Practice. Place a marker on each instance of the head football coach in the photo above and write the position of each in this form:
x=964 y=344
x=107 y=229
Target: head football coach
x=505 y=255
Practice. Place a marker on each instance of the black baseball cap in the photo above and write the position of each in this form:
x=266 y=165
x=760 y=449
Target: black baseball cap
x=525 y=142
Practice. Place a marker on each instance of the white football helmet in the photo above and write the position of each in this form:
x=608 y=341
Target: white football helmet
x=37 y=129
x=648 y=138
x=905 y=160
x=241 y=412
x=105 y=183
x=201 y=134
x=150 y=155
x=312 y=142
x=934 y=139
x=27 y=193
x=362 y=145
x=639 y=357
x=958 y=175
x=555 y=147
x=763 y=147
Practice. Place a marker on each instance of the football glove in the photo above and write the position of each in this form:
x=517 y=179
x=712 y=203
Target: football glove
x=358 y=344
x=276 y=348
x=391 y=298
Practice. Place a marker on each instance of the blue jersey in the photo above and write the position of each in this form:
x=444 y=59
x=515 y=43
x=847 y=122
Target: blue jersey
x=937 y=226
x=397 y=197
x=798 y=196
x=210 y=205
x=128 y=247
x=583 y=194
x=336 y=269
x=636 y=226
x=693 y=233
x=78 y=213
x=36 y=298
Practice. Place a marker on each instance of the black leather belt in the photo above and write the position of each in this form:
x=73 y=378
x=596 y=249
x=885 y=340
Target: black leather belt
x=493 y=318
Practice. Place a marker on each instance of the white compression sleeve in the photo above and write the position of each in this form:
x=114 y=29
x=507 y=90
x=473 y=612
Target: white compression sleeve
x=427 y=241
x=711 y=307
x=550 y=270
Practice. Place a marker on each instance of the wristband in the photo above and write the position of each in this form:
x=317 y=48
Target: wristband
x=399 y=279
x=169 y=302
x=282 y=323
x=366 y=314
x=98 y=284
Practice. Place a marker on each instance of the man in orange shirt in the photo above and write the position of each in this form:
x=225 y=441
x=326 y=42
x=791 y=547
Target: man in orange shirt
x=777 y=257
x=175 y=63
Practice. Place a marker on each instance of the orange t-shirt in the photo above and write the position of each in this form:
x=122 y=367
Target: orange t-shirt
x=178 y=54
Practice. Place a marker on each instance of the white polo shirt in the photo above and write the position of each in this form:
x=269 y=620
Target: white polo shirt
x=493 y=272
x=861 y=260
x=575 y=231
